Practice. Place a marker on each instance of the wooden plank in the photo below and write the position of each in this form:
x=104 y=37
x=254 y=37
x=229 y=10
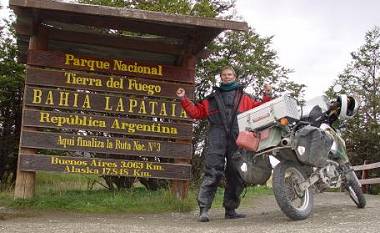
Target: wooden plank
x=370 y=181
x=107 y=40
x=105 y=13
x=95 y=50
x=107 y=145
x=110 y=66
x=120 y=104
x=131 y=25
x=366 y=167
x=117 y=125
x=109 y=167
x=109 y=83
x=107 y=52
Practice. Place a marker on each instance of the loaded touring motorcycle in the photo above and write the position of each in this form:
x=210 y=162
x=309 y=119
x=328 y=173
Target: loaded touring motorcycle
x=311 y=153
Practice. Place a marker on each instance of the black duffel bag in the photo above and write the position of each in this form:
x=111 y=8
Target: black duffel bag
x=312 y=146
x=253 y=170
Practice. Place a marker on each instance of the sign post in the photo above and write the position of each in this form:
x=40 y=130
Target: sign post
x=104 y=104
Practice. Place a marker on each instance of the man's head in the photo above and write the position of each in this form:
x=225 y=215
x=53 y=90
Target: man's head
x=227 y=75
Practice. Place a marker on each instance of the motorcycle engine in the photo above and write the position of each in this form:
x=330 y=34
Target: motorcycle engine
x=329 y=174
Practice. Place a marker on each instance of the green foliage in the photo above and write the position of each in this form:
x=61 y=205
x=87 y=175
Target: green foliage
x=361 y=77
x=113 y=3
x=204 y=8
x=168 y=6
x=11 y=83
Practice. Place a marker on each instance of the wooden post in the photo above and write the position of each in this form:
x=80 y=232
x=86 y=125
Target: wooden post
x=364 y=177
x=25 y=181
x=180 y=188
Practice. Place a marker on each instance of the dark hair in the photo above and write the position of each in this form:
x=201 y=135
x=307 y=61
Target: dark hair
x=227 y=68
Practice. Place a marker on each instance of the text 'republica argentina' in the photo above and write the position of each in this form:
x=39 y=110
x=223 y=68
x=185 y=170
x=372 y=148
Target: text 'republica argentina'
x=117 y=124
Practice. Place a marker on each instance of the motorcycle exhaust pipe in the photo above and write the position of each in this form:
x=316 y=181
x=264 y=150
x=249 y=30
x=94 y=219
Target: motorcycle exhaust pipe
x=285 y=142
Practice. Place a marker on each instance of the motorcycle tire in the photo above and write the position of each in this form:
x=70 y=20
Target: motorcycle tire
x=354 y=190
x=286 y=192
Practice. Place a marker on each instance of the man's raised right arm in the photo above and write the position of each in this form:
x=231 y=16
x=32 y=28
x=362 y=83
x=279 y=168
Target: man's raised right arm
x=195 y=111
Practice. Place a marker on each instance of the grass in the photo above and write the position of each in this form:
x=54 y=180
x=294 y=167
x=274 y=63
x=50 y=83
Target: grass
x=80 y=193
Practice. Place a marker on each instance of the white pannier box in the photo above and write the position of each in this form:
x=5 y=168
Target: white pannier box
x=269 y=113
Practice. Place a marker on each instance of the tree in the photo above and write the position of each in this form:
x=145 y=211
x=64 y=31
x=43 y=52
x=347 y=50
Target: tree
x=362 y=77
x=203 y=8
x=11 y=88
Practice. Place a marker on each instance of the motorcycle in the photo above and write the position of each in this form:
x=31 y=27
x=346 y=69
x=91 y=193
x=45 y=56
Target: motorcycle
x=307 y=145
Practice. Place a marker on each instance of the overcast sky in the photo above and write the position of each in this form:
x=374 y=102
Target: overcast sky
x=312 y=37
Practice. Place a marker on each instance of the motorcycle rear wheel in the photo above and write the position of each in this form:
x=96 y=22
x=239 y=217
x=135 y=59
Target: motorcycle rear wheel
x=294 y=203
x=354 y=190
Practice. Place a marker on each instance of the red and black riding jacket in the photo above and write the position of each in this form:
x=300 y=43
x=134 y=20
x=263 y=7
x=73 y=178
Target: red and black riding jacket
x=208 y=107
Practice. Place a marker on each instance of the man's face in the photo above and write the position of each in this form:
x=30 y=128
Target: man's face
x=227 y=76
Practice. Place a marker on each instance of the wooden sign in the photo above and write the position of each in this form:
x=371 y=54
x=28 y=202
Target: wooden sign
x=106 y=93
x=121 y=104
x=110 y=66
x=118 y=125
x=106 y=83
x=100 y=166
x=107 y=145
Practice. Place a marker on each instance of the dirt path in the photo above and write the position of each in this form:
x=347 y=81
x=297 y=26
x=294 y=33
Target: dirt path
x=333 y=212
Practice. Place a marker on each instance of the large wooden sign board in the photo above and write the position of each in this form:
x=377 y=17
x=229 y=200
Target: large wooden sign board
x=97 y=103
x=94 y=108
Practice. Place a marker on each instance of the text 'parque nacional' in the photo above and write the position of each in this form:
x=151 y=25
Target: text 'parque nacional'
x=117 y=65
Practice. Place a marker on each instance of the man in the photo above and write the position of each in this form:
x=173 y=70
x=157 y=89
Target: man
x=221 y=108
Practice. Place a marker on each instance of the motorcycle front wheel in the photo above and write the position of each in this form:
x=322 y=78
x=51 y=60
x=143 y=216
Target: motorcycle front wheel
x=294 y=203
x=354 y=190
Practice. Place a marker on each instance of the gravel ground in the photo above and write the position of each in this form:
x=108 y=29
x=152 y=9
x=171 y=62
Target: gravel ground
x=333 y=212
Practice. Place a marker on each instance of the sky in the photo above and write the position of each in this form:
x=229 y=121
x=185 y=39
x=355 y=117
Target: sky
x=312 y=37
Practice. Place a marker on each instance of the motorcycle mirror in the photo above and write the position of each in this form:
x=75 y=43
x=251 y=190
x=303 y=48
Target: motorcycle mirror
x=337 y=88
